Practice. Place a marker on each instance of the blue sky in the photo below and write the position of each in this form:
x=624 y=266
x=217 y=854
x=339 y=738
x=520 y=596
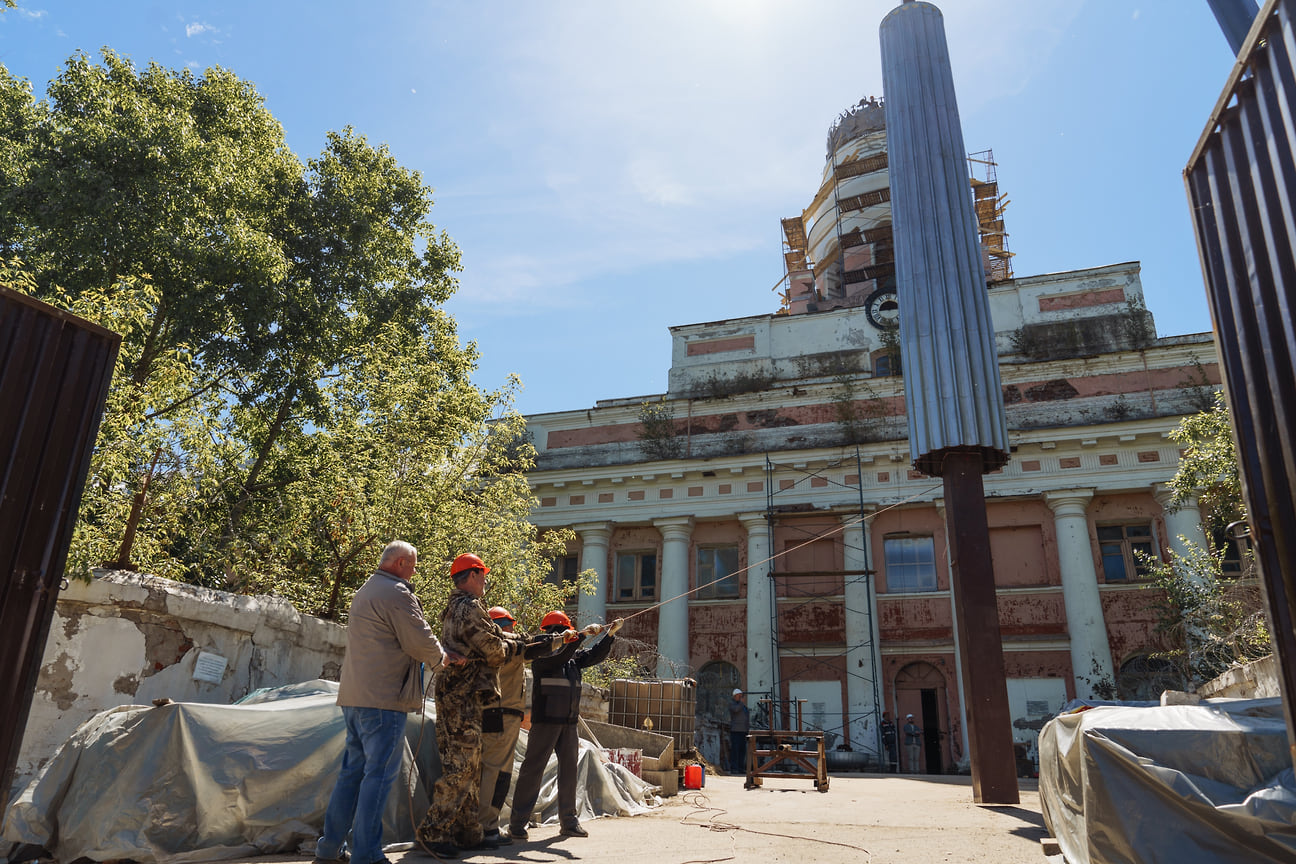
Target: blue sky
x=611 y=169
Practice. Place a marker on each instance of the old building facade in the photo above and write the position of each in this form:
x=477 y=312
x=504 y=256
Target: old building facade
x=763 y=525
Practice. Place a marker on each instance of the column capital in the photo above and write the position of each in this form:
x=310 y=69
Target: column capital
x=853 y=522
x=675 y=527
x=593 y=532
x=1069 y=502
x=1164 y=495
x=754 y=522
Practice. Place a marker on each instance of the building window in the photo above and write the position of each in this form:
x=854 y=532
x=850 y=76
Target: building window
x=1121 y=546
x=563 y=569
x=1232 y=563
x=910 y=564
x=717 y=572
x=636 y=577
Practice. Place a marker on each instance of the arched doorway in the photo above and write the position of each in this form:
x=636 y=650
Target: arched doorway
x=920 y=691
x=716 y=682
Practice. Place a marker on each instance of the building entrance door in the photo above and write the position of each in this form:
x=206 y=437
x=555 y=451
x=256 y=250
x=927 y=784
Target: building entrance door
x=920 y=691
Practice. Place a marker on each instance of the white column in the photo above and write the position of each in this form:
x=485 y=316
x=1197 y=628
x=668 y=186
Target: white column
x=1091 y=660
x=672 y=618
x=595 y=536
x=760 y=593
x=1183 y=521
x=862 y=684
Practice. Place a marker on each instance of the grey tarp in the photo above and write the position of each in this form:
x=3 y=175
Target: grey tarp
x=1183 y=783
x=187 y=781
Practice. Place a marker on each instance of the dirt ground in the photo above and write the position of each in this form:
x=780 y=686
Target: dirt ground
x=874 y=818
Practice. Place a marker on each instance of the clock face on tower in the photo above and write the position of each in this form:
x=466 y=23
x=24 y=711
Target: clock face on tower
x=883 y=309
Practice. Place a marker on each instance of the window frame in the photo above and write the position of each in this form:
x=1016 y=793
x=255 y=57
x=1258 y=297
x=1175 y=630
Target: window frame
x=729 y=584
x=1132 y=571
x=637 y=593
x=895 y=586
x=556 y=578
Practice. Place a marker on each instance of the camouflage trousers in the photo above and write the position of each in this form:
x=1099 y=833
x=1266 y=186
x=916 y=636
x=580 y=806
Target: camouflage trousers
x=453 y=816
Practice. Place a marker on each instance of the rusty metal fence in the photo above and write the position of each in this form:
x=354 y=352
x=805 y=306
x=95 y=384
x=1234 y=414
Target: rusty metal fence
x=1241 y=183
x=54 y=375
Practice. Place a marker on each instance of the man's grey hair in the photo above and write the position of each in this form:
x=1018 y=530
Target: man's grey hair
x=397 y=549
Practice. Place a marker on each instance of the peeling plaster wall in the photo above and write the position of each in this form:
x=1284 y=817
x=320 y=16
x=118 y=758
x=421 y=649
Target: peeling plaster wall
x=127 y=639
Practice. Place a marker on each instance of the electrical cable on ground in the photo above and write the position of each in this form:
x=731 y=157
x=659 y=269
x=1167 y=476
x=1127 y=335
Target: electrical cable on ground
x=700 y=804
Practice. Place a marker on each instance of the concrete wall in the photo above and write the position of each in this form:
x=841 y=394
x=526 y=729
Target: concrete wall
x=1255 y=680
x=127 y=639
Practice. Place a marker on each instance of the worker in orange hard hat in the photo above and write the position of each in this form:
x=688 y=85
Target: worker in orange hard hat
x=453 y=821
x=555 y=708
x=467 y=561
x=501 y=720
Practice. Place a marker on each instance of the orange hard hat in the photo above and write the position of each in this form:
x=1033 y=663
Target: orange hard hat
x=467 y=561
x=499 y=612
x=556 y=619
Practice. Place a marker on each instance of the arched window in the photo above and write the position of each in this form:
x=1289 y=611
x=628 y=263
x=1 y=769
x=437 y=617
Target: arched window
x=1143 y=679
x=716 y=683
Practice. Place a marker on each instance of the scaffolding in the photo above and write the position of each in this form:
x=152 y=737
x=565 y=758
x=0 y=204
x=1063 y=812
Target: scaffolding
x=794 y=259
x=801 y=587
x=989 y=204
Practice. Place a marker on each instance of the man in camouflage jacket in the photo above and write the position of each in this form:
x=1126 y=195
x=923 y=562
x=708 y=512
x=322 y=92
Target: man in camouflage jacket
x=453 y=822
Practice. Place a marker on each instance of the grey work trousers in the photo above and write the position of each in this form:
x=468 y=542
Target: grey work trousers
x=542 y=740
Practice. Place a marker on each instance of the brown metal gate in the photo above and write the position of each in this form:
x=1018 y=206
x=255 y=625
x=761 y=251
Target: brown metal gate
x=55 y=370
x=1242 y=187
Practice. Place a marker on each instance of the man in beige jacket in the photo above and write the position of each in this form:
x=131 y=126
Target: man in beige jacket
x=388 y=643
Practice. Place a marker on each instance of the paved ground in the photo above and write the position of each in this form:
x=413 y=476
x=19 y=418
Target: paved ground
x=879 y=819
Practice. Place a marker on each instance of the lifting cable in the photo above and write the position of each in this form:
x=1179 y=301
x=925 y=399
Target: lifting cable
x=693 y=798
x=828 y=533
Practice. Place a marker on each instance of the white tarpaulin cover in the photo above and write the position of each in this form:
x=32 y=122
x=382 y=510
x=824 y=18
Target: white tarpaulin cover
x=187 y=781
x=1183 y=783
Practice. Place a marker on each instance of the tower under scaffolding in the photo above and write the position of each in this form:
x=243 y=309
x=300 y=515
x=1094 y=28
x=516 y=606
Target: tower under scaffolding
x=989 y=205
x=839 y=252
x=797 y=588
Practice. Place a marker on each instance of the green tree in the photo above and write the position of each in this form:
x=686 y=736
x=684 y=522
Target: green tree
x=1208 y=469
x=1216 y=620
x=291 y=394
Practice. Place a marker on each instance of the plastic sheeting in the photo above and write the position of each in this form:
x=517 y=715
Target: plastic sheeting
x=187 y=782
x=1185 y=783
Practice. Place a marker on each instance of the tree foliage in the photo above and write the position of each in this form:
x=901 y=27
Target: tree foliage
x=1215 y=620
x=290 y=394
x=1208 y=469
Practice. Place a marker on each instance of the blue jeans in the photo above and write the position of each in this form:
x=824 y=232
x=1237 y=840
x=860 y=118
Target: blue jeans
x=370 y=763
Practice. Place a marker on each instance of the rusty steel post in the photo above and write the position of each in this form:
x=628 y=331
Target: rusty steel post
x=994 y=767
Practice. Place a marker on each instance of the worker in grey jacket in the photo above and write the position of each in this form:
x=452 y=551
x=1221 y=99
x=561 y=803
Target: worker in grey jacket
x=388 y=644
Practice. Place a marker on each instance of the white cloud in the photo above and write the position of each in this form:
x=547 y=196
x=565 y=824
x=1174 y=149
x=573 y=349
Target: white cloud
x=196 y=29
x=685 y=129
x=32 y=14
